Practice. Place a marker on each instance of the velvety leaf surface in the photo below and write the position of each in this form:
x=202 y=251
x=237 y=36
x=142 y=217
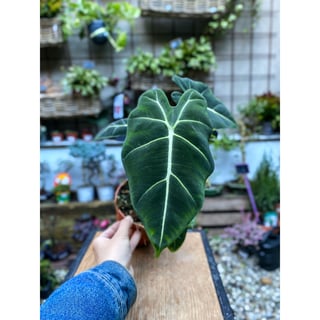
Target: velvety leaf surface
x=167 y=167
x=116 y=129
x=219 y=114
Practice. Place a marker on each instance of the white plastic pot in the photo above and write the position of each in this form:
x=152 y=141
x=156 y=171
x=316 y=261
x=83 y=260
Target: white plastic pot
x=85 y=193
x=105 y=193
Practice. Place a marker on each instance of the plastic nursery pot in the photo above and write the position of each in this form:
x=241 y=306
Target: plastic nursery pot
x=97 y=32
x=144 y=241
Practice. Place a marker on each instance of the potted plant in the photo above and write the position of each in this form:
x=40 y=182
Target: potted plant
x=71 y=135
x=105 y=189
x=262 y=114
x=83 y=81
x=245 y=235
x=100 y=22
x=50 y=24
x=62 y=187
x=192 y=57
x=57 y=136
x=266 y=189
x=91 y=153
x=86 y=134
x=167 y=159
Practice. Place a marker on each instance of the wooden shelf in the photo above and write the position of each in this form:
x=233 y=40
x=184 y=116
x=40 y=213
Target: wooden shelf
x=74 y=205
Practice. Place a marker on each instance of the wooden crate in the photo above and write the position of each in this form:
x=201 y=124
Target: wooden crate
x=180 y=8
x=63 y=105
x=222 y=211
x=50 y=32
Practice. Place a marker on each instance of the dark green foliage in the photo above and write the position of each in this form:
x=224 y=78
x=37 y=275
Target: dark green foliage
x=84 y=81
x=190 y=54
x=266 y=186
x=262 y=108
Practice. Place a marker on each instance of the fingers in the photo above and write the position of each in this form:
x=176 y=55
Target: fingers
x=109 y=232
x=124 y=228
x=135 y=238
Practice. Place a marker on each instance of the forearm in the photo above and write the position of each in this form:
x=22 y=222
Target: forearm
x=106 y=291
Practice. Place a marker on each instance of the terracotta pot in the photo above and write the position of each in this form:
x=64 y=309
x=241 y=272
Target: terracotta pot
x=144 y=241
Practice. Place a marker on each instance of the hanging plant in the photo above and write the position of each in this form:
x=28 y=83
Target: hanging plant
x=99 y=22
x=225 y=17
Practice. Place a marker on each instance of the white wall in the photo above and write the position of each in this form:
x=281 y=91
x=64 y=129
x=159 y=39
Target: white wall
x=224 y=161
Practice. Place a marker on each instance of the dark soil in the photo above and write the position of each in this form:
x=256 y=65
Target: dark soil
x=124 y=202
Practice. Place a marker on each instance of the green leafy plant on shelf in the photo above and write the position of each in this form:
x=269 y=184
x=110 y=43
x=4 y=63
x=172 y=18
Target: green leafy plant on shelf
x=79 y=15
x=83 y=81
x=262 y=109
x=265 y=186
x=180 y=57
x=50 y=8
x=166 y=157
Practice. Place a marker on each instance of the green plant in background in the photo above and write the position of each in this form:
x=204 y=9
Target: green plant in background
x=259 y=110
x=167 y=158
x=223 y=141
x=225 y=17
x=50 y=8
x=91 y=153
x=84 y=81
x=178 y=58
x=48 y=279
x=78 y=15
x=265 y=186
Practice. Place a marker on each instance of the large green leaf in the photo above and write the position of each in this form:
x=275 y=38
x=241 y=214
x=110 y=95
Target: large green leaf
x=219 y=114
x=167 y=160
x=116 y=129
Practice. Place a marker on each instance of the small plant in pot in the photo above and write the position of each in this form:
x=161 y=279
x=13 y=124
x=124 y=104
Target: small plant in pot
x=105 y=189
x=246 y=235
x=83 y=81
x=91 y=153
x=266 y=189
x=100 y=21
x=262 y=114
x=167 y=159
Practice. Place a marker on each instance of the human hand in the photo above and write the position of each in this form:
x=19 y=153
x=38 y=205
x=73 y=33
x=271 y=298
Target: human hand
x=117 y=243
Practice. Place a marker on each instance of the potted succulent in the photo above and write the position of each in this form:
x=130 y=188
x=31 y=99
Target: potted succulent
x=57 y=136
x=167 y=159
x=71 y=135
x=192 y=57
x=92 y=153
x=99 y=22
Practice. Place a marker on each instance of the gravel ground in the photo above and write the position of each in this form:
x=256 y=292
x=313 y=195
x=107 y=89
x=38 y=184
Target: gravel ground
x=253 y=293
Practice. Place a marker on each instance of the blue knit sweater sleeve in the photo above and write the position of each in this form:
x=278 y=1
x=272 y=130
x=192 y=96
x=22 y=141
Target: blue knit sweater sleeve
x=104 y=292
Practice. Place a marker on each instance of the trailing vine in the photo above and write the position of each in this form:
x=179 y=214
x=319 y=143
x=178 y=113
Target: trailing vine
x=225 y=17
